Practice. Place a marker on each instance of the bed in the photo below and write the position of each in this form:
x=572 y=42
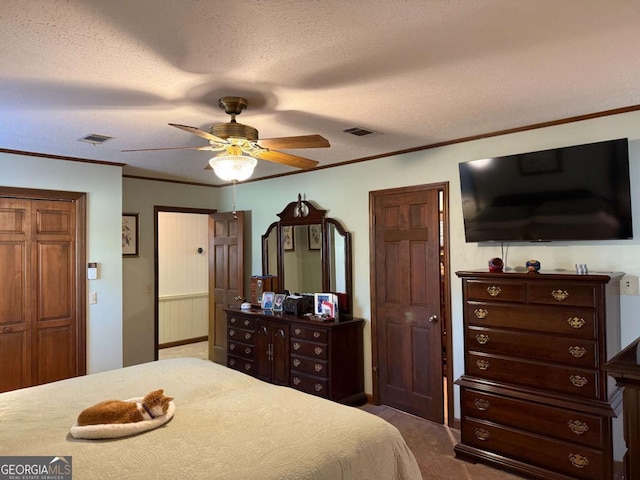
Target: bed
x=227 y=425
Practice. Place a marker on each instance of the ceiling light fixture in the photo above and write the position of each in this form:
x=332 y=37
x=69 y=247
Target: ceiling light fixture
x=232 y=166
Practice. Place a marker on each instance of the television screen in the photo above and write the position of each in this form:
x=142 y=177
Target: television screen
x=580 y=192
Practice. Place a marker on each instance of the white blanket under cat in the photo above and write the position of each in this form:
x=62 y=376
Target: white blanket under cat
x=118 y=430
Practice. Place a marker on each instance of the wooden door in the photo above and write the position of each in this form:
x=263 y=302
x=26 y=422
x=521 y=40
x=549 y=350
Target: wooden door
x=406 y=301
x=42 y=326
x=226 y=275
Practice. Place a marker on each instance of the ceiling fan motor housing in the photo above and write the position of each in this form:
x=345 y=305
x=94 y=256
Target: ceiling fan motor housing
x=235 y=130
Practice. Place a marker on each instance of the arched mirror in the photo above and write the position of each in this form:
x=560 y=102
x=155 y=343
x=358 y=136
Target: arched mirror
x=309 y=253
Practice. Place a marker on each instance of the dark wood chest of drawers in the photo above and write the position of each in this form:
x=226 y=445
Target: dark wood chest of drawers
x=534 y=396
x=324 y=359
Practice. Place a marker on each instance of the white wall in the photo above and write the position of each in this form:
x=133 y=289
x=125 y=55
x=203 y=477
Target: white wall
x=344 y=192
x=103 y=186
x=141 y=196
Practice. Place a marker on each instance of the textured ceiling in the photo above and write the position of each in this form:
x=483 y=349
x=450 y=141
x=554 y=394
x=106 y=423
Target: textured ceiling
x=419 y=72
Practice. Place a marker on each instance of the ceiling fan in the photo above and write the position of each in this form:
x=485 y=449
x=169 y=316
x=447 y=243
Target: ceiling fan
x=240 y=146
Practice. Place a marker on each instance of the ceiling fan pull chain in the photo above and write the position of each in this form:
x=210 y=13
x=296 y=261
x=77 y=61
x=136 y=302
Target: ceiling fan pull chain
x=235 y=215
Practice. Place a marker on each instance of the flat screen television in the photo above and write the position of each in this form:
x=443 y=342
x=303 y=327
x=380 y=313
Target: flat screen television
x=580 y=192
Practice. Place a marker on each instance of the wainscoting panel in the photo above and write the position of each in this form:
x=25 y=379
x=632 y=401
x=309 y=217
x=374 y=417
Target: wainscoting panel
x=183 y=317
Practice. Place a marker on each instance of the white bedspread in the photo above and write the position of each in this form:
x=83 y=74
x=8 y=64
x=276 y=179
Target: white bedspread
x=227 y=425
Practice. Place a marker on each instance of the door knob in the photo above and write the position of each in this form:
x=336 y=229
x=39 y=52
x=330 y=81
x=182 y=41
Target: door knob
x=433 y=319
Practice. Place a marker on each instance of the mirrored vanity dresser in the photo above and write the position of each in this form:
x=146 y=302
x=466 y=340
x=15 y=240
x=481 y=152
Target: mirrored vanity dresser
x=308 y=253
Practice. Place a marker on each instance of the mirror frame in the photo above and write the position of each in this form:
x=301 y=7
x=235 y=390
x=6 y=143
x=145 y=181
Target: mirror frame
x=304 y=212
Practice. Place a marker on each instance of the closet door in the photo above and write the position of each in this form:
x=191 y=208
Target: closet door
x=40 y=313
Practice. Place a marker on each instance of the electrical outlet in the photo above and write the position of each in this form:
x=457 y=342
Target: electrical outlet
x=629 y=285
x=93 y=298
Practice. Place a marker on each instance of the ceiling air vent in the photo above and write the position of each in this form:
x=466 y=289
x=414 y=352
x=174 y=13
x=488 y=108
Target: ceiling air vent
x=360 y=132
x=95 y=139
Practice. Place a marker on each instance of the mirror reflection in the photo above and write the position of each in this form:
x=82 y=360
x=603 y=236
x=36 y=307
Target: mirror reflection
x=302 y=258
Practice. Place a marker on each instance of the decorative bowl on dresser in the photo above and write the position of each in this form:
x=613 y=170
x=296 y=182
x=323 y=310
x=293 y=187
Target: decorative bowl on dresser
x=322 y=358
x=534 y=396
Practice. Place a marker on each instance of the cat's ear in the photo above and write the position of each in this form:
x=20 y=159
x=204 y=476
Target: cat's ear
x=156 y=393
x=168 y=399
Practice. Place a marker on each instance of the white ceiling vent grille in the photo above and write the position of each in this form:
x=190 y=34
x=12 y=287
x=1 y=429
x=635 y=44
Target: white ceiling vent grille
x=361 y=132
x=95 y=139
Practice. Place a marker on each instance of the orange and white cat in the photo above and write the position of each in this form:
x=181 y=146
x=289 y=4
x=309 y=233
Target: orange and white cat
x=154 y=404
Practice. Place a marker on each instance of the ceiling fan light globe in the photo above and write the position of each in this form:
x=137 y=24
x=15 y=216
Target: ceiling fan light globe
x=233 y=167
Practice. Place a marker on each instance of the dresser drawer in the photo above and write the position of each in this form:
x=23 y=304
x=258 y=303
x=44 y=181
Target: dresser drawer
x=309 y=333
x=239 y=321
x=240 y=349
x=571 y=351
x=241 y=335
x=559 y=423
x=562 y=294
x=499 y=291
x=557 y=378
x=574 y=460
x=241 y=364
x=309 y=365
x=309 y=349
x=572 y=321
x=309 y=384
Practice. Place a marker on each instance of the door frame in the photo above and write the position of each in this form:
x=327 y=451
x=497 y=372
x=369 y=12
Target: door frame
x=156 y=267
x=445 y=286
x=80 y=283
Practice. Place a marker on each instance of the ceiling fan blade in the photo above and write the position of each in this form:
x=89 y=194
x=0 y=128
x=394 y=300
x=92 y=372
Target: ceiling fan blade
x=203 y=147
x=302 y=141
x=287 y=159
x=200 y=133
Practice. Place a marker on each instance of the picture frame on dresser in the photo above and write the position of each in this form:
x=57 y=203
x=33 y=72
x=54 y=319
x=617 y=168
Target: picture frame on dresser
x=278 y=302
x=267 y=300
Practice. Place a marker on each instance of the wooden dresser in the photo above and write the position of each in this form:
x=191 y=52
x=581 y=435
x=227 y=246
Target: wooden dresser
x=322 y=358
x=534 y=395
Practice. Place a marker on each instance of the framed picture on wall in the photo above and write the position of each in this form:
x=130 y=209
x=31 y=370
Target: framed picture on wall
x=315 y=237
x=287 y=237
x=130 y=234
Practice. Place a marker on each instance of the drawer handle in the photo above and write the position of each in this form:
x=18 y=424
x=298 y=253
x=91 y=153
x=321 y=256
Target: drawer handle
x=296 y=346
x=577 y=351
x=482 y=434
x=481 y=404
x=247 y=336
x=577 y=427
x=318 y=387
x=296 y=362
x=494 y=291
x=296 y=381
x=318 y=350
x=232 y=362
x=232 y=346
x=578 y=381
x=318 y=367
x=578 y=460
x=482 y=338
x=316 y=334
x=247 y=350
x=247 y=366
x=298 y=331
x=482 y=364
x=576 y=322
x=232 y=332
x=246 y=323
x=233 y=320
x=481 y=312
x=560 y=295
